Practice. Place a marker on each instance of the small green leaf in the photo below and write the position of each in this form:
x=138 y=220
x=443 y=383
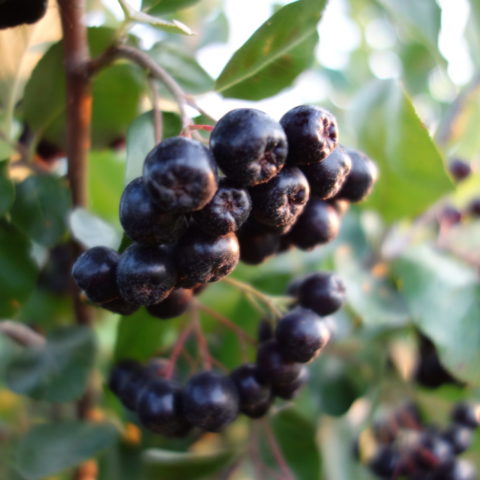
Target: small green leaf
x=270 y=53
x=18 y=272
x=157 y=7
x=56 y=372
x=52 y=447
x=169 y=465
x=412 y=173
x=7 y=190
x=41 y=207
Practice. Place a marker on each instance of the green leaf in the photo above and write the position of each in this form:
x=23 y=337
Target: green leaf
x=182 y=66
x=52 y=447
x=169 y=465
x=7 y=190
x=57 y=372
x=444 y=299
x=261 y=67
x=41 y=207
x=141 y=139
x=18 y=272
x=412 y=173
x=157 y=7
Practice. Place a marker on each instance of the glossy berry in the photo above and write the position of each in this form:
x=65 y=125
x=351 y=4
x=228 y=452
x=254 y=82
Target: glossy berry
x=474 y=207
x=257 y=246
x=280 y=201
x=312 y=134
x=459 y=169
x=432 y=452
x=459 y=437
x=459 y=470
x=466 y=415
x=143 y=222
x=210 y=401
x=121 y=374
x=272 y=366
x=322 y=292
x=327 y=177
x=385 y=462
x=226 y=212
x=174 y=305
x=254 y=395
x=201 y=258
x=301 y=334
x=159 y=409
x=289 y=390
x=146 y=274
x=180 y=175
x=360 y=180
x=18 y=12
x=249 y=146
x=318 y=224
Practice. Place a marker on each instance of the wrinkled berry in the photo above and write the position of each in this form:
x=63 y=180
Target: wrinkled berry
x=174 y=305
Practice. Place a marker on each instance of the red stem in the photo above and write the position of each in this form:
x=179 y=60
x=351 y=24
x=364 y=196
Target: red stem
x=177 y=350
x=202 y=342
x=277 y=452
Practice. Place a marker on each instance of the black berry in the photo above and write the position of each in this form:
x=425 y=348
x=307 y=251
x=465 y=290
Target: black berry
x=289 y=390
x=459 y=437
x=174 y=305
x=432 y=452
x=121 y=374
x=120 y=306
x=466 y=415
x=474 y=207
x=256 y=246
x=130 y=383
x=265 y=331
x=311 y=133
x=385 y=462
x=249 y=146
x=210 y=401
x=146 y=274
x=180 y=175
x=459 y=169
x=18 y=12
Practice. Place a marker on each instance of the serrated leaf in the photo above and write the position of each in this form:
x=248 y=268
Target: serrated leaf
x=272 y=47
x=56 y=372
x=41 y=206
x=412 y=173
x=7 y=190
x=52 y=447
x=444 y=299
x=18 y=272
x=169 y=465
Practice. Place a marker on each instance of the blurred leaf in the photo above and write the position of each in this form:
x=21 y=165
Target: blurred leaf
x=17 y=270
x=215 y=30
x=52 y=447
x=141 y=139
x=7 y=190
x=444 y=299
x=412 y=175
x=261 y=66
x=57 y=372
x=182 y=66
x=157 y=7
x=41 y=207
x=169 y=465
x=92 y=231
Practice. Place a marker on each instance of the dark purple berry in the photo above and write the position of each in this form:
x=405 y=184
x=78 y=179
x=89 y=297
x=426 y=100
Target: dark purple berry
x=360 y=180
x=474 y=207
x=311 y=133
x=120 y=306
x=18 y=12
x=449 y=216
x=146 y=274
x=459 y=169
x=159 y=409
x=256 y=247
x=290 y=390
x=174 y=305
x=318 y=224
x=255 y=396
x=279 y=202
x=180 y=175
x=201 y=258
x=327 y=177
x=459 y=437
x=385 y=462
x=459 y=470
x=227 y=211
x=432 y=452
x=301 y=334
x=322 y=292
x=142 y=220
x=466 y=415
x=249 y=146
x=210 y=401
x=121 y=374
x=265 y=331
x=129 y=383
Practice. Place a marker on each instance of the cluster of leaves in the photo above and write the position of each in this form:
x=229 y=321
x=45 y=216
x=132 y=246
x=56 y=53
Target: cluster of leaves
x=398 y=280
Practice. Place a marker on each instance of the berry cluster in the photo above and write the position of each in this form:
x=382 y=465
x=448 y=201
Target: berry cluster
x=211 y=400
x=402 y=446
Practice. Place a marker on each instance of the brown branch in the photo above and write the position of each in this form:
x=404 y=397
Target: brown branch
x=21 y=334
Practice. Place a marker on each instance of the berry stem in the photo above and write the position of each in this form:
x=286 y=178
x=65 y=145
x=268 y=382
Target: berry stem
x=177 y=350
x=202 y=342
x=276 y=451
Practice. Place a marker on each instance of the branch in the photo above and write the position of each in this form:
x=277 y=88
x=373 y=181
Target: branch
x=21 y=334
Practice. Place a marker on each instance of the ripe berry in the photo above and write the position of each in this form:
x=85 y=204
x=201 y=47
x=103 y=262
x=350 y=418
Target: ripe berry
x=322 y=292
x=121 y=374
x=360 y=180
x=201 y=258
x=18 y=12
x=146 y=274
x=174 y=305
x=318 y=224
x=466 y=415
x=273 y=368
x=130 y=383
x=474 y=207
x=255 y=396
x=159 y=409
x=226 y=212
x=280 y=201
x=180 y=175
x=459 y=437
x=385 y=462
x=210 y=401
x=301 y=334
x=249 y=146
x=256 y=246
x=141 y=219
x=265 y=331
x=290 y=390
x=311 y=133
x=327 y=177
x=459 y=169
x=120 y=306
x=449 y=216
x=459 y=470
x=432 y=452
